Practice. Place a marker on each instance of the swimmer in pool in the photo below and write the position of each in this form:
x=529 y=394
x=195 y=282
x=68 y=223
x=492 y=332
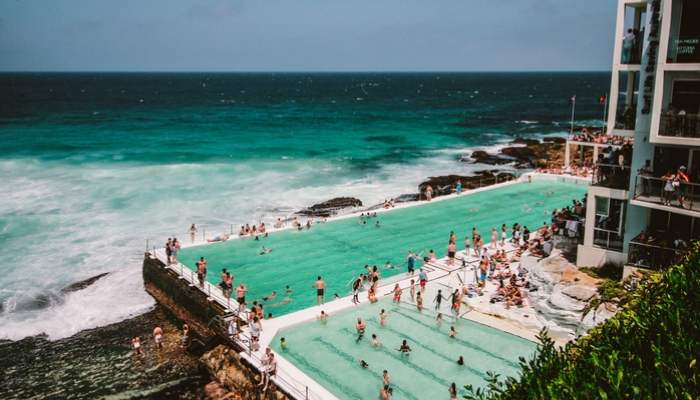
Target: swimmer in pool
x=323 y=317
x=382 y=317
x=363 y=364
x=405 y=349
x=265 y=250
x=375 y=340
x=270 y=296
x=453 y=332
x=360 y=328
x=287 y=289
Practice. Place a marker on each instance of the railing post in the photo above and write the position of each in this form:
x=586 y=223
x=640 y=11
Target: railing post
x=307 y=393
x=204 y=234
x=147 y=245
x=231 y=229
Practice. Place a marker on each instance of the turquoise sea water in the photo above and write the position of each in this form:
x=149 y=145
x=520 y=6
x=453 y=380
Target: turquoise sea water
x=330 y=354
x=338 y=250
x=93 y=165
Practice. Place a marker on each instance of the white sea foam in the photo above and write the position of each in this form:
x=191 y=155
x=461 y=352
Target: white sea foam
x=64 y=222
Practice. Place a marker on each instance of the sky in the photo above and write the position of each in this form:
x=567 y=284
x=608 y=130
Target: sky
x=306 y=35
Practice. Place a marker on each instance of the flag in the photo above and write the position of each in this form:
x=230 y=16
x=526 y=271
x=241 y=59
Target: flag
x=602 y=99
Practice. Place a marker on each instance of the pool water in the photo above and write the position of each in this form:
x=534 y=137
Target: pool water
x=329 y=353
x=339 y=249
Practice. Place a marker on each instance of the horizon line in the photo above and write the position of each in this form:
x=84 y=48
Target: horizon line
x=293 y=71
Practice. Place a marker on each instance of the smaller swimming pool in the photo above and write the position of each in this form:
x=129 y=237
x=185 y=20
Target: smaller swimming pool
x=330 y=354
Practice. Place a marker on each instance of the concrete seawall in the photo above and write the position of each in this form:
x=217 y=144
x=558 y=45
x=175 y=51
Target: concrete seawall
x=190 y=305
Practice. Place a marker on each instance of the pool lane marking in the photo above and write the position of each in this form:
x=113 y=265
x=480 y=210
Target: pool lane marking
x=302 y=361
x=464 y=342
x=374 y=321
x=402 y=359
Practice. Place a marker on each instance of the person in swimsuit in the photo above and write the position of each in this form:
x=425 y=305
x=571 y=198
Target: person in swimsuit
x=360 y=329
x=438 y=299
x=412 y=290
x=419 y=301
x=323 y=317
x=494 y=238
x=467 y=245
x=411 y=262
x=453 y=391
x=386 y=378
x=375 y=340
x=460 y=360
x=405 y=349
x=382 y=317
x=193 y=232
x=356 y=285
x=397 y=294
x=320 y=289
x=136 y=345
x=385 y=393
x=240 y=293
x=270 y=296
x=364 y=364
x=452 y=333
x=201 y=270
x=451 y=251
x=158 y=336
x=438 y=319
x=423 y=279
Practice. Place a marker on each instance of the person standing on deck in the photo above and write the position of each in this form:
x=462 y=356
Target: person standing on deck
x=201 y=270
x=320 y=289
x=240 y=293
x=494 y=238
x=174 y=249
x=168 y=248
x=411 y=262
x=451 y=252
x=413 y=290
x=356 y=285
x=458 y=186
x=193 y=232
x=438 y=299
x=423 y=279
x=504 y=235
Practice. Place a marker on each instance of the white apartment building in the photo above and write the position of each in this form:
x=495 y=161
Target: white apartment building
x=655 y=99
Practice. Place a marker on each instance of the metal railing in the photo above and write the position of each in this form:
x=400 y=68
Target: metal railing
x=216 y=293
x=655 y=190
x=612 y=176
x=644 y=255
x=680 y=125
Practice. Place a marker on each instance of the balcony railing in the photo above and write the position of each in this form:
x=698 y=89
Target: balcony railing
x=611 y=176
x=631 y=51
x=680 y=125
x=626 y=117
x=653 y=255
x=662 y=191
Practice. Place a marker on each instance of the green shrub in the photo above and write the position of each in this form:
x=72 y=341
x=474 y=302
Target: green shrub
x=648 y=350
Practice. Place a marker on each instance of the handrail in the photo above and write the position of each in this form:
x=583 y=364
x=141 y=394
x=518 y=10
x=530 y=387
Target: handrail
x=648 y=187
x=614 y=176
x=687 y=125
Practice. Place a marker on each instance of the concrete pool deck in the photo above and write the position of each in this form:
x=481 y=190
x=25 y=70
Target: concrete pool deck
x=293 y=380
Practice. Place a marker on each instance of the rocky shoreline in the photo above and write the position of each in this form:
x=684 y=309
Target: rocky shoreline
x=520 y=155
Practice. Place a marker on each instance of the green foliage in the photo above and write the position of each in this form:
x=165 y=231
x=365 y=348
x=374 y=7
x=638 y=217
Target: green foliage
x=648 y=350
x=609 y=270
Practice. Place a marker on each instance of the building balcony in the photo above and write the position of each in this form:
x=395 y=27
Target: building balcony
x=611 y=176
x=662 y=192
x=647 y=251
x=687 y=125
x=632 y=49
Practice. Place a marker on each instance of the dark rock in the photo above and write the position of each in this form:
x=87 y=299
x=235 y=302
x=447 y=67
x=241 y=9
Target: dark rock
x=405 y=198
x=443 y=185
x=523 y=153
x=483 y=157
x=528 y=142
x=331 y=207
x=554 y=139
x=74 y=287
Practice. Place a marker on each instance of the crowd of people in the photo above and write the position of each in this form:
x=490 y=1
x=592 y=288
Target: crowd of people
x=600 y=137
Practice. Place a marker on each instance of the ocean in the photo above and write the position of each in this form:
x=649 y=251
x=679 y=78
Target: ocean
x=95 y=166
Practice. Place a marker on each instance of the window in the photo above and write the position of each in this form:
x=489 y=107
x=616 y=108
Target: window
x=608 y=229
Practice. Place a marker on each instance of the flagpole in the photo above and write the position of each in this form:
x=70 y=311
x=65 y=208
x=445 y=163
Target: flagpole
x=573 y=106
x=605 y=114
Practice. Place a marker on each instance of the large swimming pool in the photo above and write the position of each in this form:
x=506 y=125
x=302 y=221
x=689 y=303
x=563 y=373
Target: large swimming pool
x=330 y=354
x=339 y=249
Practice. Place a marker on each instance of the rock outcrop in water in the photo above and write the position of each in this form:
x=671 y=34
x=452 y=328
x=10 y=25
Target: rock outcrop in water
x=331 y=207
x=527 y=153
x=74 y=287
x=444 y=184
